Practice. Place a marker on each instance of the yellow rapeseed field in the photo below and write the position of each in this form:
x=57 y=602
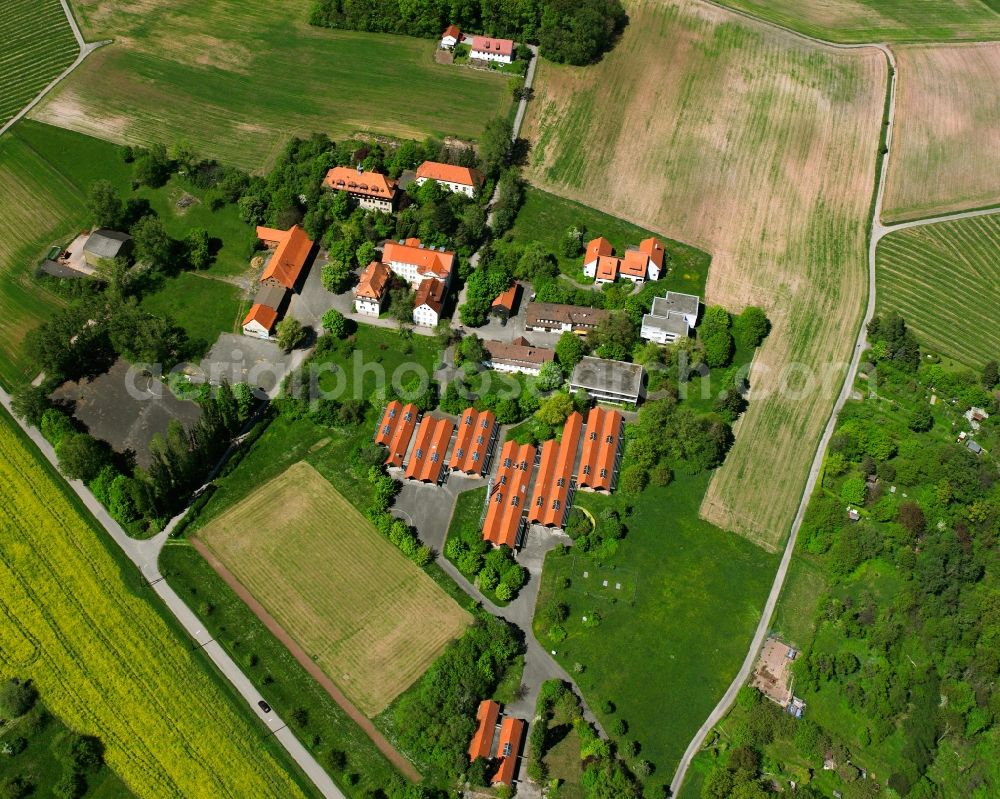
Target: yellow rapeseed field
x=105 y=661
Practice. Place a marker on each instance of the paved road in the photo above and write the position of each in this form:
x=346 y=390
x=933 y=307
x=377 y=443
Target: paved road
x=522 y=106
x=85 y=50
x=145 y=555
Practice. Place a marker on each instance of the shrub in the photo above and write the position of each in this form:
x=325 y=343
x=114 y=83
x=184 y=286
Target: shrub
x=16 y=698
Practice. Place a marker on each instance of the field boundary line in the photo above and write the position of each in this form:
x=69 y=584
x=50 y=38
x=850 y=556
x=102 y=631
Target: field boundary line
x=279 y=632
x=84 y=50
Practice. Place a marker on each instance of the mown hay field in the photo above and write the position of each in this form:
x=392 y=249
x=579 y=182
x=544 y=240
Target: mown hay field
x=881 y=20
x=371 y=619
x=760 y=148
x=38 y=44
x=946 y=140
x=238 y=78
x=105 y=660
x=944 y=279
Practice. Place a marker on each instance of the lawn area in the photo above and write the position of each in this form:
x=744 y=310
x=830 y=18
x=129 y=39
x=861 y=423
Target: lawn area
x=946 y=137
x=380 y=357
x=668 y=642
x=38 y=45
x=43 y=760
x=881 y=20
x=546 y=217
x=81 y=625
x=371 y=619
x=204 y=307
x=45 y=174
x=760 y=148
x=945 y=281
x=237 y=80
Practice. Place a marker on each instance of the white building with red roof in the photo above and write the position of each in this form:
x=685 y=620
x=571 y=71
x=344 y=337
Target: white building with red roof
x=372 y=288
x=452 y=35
x=486 y=48
x=453 y=178
x=429 y=302
x=370 y=190
x=414 y=262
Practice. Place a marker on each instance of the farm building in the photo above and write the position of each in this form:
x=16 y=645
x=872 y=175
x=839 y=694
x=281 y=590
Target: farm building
x=505 y=303
x=427 y=460
x=454 y=178
x=372 y=289
x=264 y=313
x=105 y=245
x=452 y=35
x=670 y=318
x=553 y=317
x=602 y=450
x=508 y=746
x=396 y=429
x=429 y=302
x=369 y=190
x=519 y=356
x=608 y=381
x=554 y=484
x=290 y=252
x=487 y=717
x=475 y=442
x=639 y=264
x=506 y=497
x=485 y=48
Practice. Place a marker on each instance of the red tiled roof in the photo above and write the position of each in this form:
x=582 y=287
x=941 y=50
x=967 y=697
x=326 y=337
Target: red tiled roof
x=653 y=247
x=390 y=418
x=430 y=293
x=511 y=733
x=596 y=248
x=475 y=431
x=289 y=256
x=453 y=31
x=482 y=741
x=368 y=184
x=427 y=459
x=607 y=267
x=635 y=263
x=373 y=281
x=485 y=44
x=508 y=299
x=264 y=315
x=601 y=444
x=401 y=434
x=509 y=497
x=429 y=262
x=449 y=173
x=552 y=484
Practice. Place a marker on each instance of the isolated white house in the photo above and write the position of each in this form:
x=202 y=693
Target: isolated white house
x=486 y=48
x=451 y=37
x=460 y=179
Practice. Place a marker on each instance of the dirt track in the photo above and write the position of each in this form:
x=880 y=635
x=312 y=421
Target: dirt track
x=393 y=755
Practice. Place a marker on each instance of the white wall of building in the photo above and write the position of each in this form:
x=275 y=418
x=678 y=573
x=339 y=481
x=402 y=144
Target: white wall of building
x=462 y=188
x=490 y=56
x=255 y=329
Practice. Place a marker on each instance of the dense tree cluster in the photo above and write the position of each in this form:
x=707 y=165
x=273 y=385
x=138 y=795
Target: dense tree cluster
x=567 y=32
x=435 y=720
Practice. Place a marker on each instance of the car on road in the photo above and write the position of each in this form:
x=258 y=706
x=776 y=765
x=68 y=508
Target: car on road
x=264 y=706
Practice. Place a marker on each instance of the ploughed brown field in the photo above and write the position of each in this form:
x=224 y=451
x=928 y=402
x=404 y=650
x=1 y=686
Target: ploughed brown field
x=759 y=147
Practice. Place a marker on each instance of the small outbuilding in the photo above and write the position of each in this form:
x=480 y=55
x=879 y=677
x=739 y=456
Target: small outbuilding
x=104 y=245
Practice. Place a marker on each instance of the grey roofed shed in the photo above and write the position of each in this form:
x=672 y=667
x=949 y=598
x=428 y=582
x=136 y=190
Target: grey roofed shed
x=676 y=301
x=674 y=323
x=609 y=378
x=106 y=244
x=271 y=296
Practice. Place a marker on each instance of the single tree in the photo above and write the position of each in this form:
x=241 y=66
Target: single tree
x=105 y=205
x=335 y=323
x=199 y=251
x=290 y=333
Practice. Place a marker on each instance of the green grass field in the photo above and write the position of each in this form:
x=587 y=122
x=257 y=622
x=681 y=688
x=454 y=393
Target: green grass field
x=665 y=655
x=45 y=174
x=42 y=762
x=82 y=625
x=945 y=281
x=38 y=44
x=881 y=20
x=546 y=217
x=237 y=79
x=367 y=616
